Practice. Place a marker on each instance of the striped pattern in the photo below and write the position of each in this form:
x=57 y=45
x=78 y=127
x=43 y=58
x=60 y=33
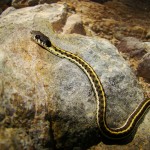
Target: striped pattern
x=109 y=133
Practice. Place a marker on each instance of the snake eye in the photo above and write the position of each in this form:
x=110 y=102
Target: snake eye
x=37 y=36
x=48 y=43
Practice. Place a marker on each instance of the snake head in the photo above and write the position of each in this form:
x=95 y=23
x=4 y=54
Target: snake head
x=40 y=39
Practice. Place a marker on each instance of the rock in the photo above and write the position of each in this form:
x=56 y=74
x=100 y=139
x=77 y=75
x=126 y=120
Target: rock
x=143 y=69
x=118 y=36
x=74 y=25
x=132 y=47
x=147 y=45
x=50 y=98
x=7 y=11
x=148 y=34
x=11 y=138
x=25 y=3
x=2 y=114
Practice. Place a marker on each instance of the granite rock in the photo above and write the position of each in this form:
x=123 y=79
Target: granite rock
x=74 y=25
x=131 y=46
x=143 y=68
x=25 y=3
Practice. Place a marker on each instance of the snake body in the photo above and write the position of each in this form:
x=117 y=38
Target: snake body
x=107 y=132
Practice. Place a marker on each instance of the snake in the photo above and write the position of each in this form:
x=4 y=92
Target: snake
x=108 y=133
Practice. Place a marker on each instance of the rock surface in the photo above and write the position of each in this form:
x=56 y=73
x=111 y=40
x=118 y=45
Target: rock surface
x=50 y=98
x=132 y=47
x=138 y=50
x=25 y=3
x=15 y=139
x=74 y=25
x=144 y=67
